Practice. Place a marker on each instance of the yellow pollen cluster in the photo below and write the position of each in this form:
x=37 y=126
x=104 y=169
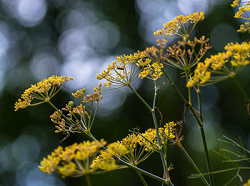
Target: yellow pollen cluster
x=236 y=3
x=223 y=64
x=72 y=160
x=125 y=70
x=96 y=96
x=42 y=91
x=176 y=26
x=151 y=67
x=242 y=12
x=133 y=149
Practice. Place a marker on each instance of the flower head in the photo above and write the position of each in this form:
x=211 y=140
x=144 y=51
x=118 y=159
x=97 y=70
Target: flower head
x=184 y=55
x=123 y=71
x=243 y=13
x=96 y=96
x=134 y=148
x=176 y=26
x=221 y=66
x=42 y=91
x=151 y=66
x=73 y=160
x=236 y=3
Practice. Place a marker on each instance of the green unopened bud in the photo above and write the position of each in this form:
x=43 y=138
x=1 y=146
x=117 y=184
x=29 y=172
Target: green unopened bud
x=83 y=90
x=185 y=38
x=71 y=104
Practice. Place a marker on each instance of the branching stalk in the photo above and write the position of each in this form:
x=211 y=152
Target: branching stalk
x=199 y=122
x=192 y=163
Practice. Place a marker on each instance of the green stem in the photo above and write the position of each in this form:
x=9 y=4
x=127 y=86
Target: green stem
x=141 y=178
x=51 y=104
x=175 y=87
x=138 y=95
x=192 y=163
x=199 y=102
x=211 y=180
x=241 y=89
x=189 y=89
x=142 y=171
x=164 y=164
x=88 y=179
x=92 y=121
x=199 y=122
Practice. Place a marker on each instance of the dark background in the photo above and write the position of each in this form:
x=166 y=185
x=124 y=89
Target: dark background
x=79 y=38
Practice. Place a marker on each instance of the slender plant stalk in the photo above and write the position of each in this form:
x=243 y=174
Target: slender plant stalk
x=175 y=87
x=192 y=163
x=137 y=169
x=152 y=110
x=189 y=89
x=199 y=102
x=241 y=89
x=199 y=122
x=211 y=179
x=142 y=100
x=53 y=106
x=142 y=171
x=220 y=171
x=141 y=178
x=88 y=179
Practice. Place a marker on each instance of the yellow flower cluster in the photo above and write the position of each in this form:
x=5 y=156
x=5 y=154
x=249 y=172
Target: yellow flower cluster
x=73 y=160
x=80 y=159
x=42 y=91
x=236 y=3
x=242 y=13
x=128 y=67
x=176 y=26
x=201 y=74
x=125 y=71
x=107 y=159
x=151 y=67
x=96 y=96
x=133 y=149
x=225 y=64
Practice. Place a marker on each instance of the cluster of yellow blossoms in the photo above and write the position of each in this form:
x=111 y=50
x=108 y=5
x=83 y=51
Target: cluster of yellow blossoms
x=148 y=63
x=242 y=13
x=223 y=65
x=128 y=67
x=95 y=96
x=80 y=159
x=133 y=149
x=73 y=160
x=176 y=26
x=42 y=91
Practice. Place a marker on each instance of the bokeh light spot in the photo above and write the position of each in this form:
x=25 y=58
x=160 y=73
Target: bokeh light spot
x=223 y=34
x=30 y=12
